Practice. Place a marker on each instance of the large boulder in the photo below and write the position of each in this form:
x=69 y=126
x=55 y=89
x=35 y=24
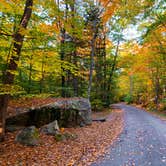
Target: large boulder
x=28 y=136
x=74 y=111
x=68 y=112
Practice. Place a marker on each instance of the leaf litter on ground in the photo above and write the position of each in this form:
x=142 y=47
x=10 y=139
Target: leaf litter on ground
x=90 y=144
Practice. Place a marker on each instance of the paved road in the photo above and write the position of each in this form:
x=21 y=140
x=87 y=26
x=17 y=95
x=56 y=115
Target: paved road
x=142 y=143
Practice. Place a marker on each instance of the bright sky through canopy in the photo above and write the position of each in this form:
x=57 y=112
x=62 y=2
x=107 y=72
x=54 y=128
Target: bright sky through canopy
x=131 y=33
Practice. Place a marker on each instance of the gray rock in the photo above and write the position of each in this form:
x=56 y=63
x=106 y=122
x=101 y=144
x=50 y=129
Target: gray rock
x=82 y=124
x=74 y=111
x=28 y=136
x=51 y=128
x=69 y=112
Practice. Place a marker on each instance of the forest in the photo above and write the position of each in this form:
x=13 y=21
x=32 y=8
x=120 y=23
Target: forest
x=107 y=51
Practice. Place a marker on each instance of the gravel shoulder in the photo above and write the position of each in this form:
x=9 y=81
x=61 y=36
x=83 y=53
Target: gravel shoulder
x=142 y=142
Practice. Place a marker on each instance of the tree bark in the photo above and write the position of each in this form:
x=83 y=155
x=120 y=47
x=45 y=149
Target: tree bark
x=157 y=89
x=3 y=103
x=112 y=71
x=30 y=75
x=42 y=77
x=92 y=54
x=62 y=55
x=74 y=53
x=12 y=64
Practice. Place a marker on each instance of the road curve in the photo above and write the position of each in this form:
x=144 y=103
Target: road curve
x=142 y=142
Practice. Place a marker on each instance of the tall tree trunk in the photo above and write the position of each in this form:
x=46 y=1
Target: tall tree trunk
x=112 y=72
x=3 y=107
x=104 y=86
x=12 y=65
x=42 y=76
x=157 y=89
x=98 y=70
x=74 y=53
x=62 y=49
x=62 y=55
x=75 y=78
x=30 y=75
x=131 y=85
x=92 y=54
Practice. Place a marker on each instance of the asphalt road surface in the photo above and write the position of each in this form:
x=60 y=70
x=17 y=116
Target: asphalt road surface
x=142 y=142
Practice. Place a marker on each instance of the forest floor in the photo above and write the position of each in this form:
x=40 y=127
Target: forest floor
x=92 y=142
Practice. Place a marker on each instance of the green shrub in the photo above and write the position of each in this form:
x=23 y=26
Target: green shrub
x=96 y=104
x=128 y=99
